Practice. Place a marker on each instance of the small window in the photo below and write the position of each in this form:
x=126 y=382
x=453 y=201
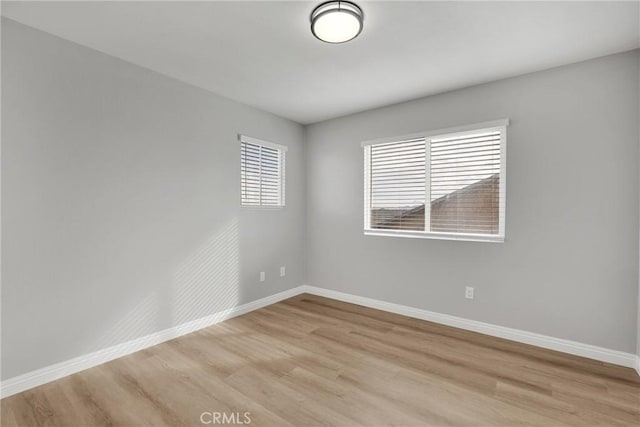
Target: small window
x=447 y=184
x=262 y=172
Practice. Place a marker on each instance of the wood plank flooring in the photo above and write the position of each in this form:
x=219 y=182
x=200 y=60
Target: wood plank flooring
x=312 y=361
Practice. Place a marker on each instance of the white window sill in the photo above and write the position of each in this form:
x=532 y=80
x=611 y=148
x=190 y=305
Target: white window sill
x=493 y=238
x=261 y=208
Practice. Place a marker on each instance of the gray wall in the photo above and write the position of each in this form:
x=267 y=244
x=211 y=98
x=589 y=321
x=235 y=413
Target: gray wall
x=569 y=266
x=120 y=210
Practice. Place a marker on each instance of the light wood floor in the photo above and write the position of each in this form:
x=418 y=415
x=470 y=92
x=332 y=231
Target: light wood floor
x=311 y=361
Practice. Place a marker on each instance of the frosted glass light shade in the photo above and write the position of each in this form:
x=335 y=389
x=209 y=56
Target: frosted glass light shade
x=336 y=21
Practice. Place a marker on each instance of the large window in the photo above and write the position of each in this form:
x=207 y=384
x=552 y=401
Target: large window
x=446 y=184
x=262 y=172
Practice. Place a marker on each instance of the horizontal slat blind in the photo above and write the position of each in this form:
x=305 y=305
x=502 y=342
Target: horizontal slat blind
x=465 y=183
x=397 y=185
x=250 y=174
x=262 y=175
x=446 y=185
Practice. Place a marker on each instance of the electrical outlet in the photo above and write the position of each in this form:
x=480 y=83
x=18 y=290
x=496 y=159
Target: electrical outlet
x=262 y=276
x=468 y=292
x=282 y=271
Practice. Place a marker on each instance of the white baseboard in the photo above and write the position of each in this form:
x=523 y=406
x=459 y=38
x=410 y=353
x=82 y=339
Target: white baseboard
x=579 y=349
x=53 y=372
x=72 y=366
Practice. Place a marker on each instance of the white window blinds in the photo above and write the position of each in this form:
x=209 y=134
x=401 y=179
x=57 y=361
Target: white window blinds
x=460 y=174
x=262 y=173
x=398 y=185
x=465 y=183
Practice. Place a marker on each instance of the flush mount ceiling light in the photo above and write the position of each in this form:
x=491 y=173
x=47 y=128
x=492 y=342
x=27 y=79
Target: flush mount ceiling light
x=336 y=21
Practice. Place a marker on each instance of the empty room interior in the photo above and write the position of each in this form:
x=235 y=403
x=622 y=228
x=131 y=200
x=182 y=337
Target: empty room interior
x=341 y=213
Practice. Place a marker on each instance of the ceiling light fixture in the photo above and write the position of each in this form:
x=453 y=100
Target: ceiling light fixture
x=336 y=21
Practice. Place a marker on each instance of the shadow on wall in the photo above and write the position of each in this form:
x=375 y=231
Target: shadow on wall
x=204 y=283
x=208 y=280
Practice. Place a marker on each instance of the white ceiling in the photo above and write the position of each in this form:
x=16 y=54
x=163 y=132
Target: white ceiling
x=263 y=54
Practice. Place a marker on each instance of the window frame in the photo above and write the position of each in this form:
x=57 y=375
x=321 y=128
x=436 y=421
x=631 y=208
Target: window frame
x=494 y=125
x=282 y=151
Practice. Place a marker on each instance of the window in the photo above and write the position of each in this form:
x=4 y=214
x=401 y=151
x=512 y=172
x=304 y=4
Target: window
x=262 y=172
x=446 y=184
